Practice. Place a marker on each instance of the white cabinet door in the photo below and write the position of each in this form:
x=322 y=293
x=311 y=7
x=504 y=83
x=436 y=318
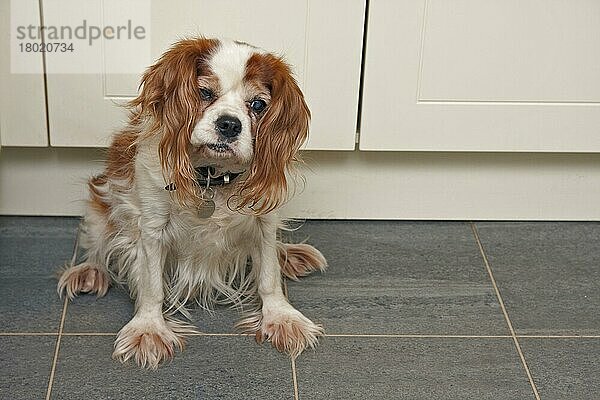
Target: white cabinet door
x=322 y=41
x=22 y=99
x=482 y=75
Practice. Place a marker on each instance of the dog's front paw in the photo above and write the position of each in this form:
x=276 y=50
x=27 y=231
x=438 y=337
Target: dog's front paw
x=288 y=330
x=148 y=342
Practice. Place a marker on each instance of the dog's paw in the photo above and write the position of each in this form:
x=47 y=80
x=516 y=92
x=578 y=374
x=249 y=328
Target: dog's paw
x=298 y=260
x=147 y=342
x=288 y=331
x=83 y=278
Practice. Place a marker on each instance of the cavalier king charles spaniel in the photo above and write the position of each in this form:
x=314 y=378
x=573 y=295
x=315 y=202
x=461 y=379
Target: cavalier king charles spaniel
x=186 y=209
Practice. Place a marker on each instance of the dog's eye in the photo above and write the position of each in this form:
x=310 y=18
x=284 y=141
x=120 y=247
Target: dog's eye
x=258 y=105
x=207 y=94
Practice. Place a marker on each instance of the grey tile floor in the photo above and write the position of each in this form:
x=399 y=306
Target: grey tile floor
x=412 y=310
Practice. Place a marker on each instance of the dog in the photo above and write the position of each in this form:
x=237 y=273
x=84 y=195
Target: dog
x=186 y=209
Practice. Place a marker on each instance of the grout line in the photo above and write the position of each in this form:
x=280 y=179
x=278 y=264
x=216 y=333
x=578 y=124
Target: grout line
x=62 y=321
x=57 y=348
x=218 y=334
x=88 y=334
x=29 y=334
x=295 y=379
x=365 y=335
x=506 y=317
x=559 y=336
x=416 y=336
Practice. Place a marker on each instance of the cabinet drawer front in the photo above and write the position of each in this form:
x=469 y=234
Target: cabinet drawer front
x=84 y=108
x=482 y=75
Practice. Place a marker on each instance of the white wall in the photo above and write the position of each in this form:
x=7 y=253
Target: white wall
x=443 y=82
x=374 y=185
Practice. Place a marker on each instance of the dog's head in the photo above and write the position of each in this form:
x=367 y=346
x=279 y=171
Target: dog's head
x=229 y=105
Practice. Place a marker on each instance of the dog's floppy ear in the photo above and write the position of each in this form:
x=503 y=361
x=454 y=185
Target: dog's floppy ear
x=169 y=95
x=280 y=133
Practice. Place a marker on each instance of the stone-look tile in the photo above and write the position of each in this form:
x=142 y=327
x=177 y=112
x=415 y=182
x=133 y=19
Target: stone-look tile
x=209 y=368
x=33 y=249
x=29 y=305
x=398 y=277
x=564 y=368
x=221 y=319
x=47 y=227
x=35 y=245
x=25 y=364
x=87 y=313
x=394 y=368
x=548 y=274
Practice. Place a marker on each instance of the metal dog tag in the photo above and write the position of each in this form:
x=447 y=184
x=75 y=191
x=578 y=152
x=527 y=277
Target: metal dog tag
x=206 y=209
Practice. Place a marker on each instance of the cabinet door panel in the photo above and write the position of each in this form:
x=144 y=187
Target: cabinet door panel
x=84 y=108
x=22 y=99
x=482 y=75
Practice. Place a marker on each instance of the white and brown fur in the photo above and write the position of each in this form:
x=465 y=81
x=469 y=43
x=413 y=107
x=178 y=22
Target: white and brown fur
x=138 y=233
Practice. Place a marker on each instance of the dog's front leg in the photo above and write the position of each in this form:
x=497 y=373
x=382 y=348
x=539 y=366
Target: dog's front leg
x=284 y=326
x=147 y=338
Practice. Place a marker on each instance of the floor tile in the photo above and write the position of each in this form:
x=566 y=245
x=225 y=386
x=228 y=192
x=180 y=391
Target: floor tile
x=35 y=245
x=221 y=319
x=398 y=277
x=548 y=274
x=25 y=364
x=564 y=368
x=87 y=313
x=383 y=368
x=29 y=305
x=47 y=227
x=209 y=368
x=33 y=249
x=384 y=277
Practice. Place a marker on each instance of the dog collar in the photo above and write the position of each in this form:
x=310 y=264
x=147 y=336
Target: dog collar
x=205 y=177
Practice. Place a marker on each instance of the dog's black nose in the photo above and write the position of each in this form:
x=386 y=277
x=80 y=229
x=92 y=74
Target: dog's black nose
x=228 y=126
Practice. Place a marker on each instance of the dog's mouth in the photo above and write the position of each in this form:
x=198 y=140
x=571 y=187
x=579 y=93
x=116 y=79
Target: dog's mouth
x=225 y=156
x=220 y=148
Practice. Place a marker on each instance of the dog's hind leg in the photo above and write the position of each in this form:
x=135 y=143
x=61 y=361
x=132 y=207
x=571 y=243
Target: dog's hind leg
x=298 y=260
x=91 y=275
x=84 y=278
